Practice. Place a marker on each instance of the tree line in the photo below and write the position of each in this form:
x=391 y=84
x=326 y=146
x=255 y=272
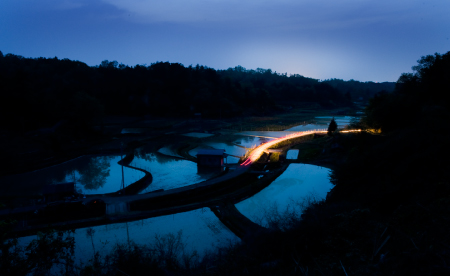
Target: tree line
x=40 y=92
x=399 y=176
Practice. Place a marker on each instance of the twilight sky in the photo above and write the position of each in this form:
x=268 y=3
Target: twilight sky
x=364 y=40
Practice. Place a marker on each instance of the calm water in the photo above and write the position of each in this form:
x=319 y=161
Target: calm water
x=168 y=172
x=251 y=141
x=289 y=192
x=201 y=231
x=92 y=175
x=102 y=175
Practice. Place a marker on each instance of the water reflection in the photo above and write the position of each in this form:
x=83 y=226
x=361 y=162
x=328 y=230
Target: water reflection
x=168 y=172
x=229 y=148
x=101 y=175
x=91 y=174
x=251 y=142
x=288 y=193
x=94 y=175
x=201 y=230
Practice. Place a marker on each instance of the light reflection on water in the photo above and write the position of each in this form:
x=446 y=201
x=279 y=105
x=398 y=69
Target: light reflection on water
x=289 y=190
x=201 y=230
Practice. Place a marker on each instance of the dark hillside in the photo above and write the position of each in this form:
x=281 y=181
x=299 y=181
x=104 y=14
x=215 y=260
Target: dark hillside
x=399 y=179
x=360 y=90
x=39 y=93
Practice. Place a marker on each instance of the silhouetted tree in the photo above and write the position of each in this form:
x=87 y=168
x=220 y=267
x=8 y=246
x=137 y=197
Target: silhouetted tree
x=417 y=95
x=332 y=127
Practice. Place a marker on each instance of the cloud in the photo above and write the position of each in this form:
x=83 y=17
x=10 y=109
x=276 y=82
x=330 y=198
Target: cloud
x=300 y=14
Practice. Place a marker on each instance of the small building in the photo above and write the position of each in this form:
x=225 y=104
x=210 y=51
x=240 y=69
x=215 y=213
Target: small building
x=211 y=157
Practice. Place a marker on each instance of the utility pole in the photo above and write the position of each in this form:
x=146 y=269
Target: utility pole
x=121 y=162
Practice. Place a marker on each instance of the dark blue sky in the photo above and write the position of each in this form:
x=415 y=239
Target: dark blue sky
x=348 y=39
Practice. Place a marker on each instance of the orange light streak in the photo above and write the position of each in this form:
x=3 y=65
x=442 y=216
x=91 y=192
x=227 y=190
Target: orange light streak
x=258 y=151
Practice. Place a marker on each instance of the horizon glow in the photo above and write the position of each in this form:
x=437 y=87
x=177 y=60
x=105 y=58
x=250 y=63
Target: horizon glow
x=321 y=39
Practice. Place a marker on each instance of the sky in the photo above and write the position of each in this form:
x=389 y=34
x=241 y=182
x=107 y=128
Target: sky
x=364 y=40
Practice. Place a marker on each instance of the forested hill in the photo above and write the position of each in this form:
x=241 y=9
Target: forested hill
x=360 y=90
x=36 y=93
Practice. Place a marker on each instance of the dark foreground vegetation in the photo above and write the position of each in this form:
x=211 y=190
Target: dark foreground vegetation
x=389 y=213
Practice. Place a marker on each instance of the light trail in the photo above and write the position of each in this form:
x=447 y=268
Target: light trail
x=258 y=151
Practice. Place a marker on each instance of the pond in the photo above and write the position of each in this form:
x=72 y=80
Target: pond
x=288 y=194
x=168 y=172
x=201 y=231
x=91 y=174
